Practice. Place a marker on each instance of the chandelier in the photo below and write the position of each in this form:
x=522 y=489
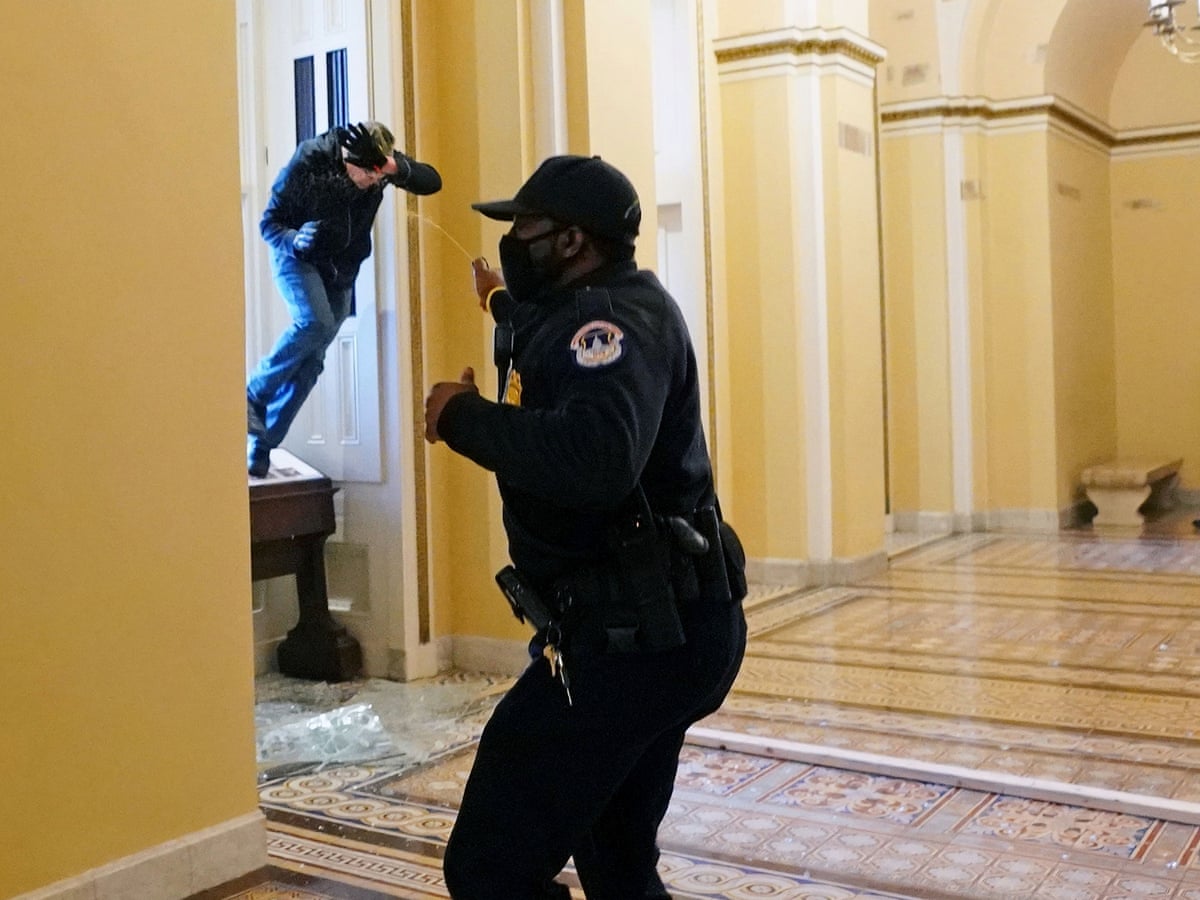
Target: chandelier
x=1173 y=35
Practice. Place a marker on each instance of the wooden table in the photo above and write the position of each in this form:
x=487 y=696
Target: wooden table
x=291 y=515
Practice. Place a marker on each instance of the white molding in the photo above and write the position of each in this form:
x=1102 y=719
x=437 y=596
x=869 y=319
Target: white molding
x=970 y=523
x=852 y=569
x=550 y=80
x=924 y=522
x=952 y=26
x=812 y=287
x=976 y=114
x=808 y=573
x=782 y=65
x=956 y=776
x=772 y=53
x=498 y=656
x=958 y=314
x=1038 y=521
x=1134 y=152
x=174 y=869
x=778 y=571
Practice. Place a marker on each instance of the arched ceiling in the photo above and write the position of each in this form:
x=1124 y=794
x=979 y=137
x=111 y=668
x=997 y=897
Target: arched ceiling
x=1096 y=55
x=1088 y=48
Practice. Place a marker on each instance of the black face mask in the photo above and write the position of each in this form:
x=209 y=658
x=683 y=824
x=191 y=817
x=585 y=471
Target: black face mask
x=527 y=273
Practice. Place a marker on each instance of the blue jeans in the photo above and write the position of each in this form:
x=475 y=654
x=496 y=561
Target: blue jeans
x=283 y=378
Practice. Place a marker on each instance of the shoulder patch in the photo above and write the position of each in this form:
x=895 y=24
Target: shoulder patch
x=598 y=343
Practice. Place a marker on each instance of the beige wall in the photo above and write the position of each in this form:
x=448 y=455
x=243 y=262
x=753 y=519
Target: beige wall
x=767 y=443
x=909 y=31
x=1017 y=336
x=855 y=321
x=1153 y=89
x=918 y=343
x=1081 y=277
x=127 y=665
x=1155 y=220
x=481 y=155
x=1005 y=45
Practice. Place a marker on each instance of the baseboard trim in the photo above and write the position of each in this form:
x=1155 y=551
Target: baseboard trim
x=923 y=522
x=494 y=656
x=175 y=869
x=778 y=571
x=1038 y=521
x=816 y=574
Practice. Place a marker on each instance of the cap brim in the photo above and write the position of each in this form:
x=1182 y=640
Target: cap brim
x=502 y=210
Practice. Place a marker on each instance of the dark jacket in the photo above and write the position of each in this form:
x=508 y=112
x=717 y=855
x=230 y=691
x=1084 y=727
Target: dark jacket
x=608 y=394
x=314 y=186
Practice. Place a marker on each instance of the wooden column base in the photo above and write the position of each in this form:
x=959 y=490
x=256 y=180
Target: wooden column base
x=320 y=654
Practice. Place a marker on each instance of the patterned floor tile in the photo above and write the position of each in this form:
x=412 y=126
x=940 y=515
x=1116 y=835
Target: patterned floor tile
x=1069 y=659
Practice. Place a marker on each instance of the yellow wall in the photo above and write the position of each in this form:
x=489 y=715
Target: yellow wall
x=751 y=16
x=918 y=365
x=1155 y=220
x=620 y=122
x=127 y=666
x=1017 y=336
x=1081 y=275
x=767 y=442
x=1153 y=88
x=909 y=31
x=1004 y=47
x=855 y=321
x=479 y=151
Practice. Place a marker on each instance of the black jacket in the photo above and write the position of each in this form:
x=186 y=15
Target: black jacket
x=608 y=394
x=314 y=186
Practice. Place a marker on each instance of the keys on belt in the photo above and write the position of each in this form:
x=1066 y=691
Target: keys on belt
x=558 y=663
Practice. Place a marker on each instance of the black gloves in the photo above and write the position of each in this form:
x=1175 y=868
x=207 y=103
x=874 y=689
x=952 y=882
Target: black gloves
x=361 y=149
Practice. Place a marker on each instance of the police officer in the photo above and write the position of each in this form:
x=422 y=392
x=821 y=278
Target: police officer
x=621 y=562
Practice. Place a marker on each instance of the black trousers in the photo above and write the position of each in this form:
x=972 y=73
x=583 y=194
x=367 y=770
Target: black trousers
x=590 y=780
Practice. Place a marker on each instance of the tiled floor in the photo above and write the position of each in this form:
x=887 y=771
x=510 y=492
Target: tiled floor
x=996 y=716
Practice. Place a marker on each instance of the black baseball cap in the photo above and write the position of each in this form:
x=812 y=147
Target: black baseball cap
x=576 y=190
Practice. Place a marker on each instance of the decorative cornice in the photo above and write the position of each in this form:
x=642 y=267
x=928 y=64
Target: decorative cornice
x=1051 y=108
x=817 y=46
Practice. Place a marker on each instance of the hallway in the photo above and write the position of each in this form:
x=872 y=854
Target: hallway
x=998 y=715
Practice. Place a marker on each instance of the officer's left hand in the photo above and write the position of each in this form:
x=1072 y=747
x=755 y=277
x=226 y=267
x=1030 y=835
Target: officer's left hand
x=439 y=396
x=486 y=280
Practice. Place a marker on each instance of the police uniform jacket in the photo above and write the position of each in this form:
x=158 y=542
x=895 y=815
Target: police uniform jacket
x=602 y=392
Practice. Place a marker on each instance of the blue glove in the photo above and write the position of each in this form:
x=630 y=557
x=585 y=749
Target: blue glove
x=305 y=239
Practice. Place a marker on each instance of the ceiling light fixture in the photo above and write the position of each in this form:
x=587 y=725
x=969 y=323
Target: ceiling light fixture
x=1174 y=36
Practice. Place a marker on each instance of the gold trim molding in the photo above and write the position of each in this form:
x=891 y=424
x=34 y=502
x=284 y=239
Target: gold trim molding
x=1050 y=107
x=838 y=46
x=417 y=328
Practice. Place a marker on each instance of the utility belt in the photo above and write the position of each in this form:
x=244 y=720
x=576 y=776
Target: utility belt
x=655 y=567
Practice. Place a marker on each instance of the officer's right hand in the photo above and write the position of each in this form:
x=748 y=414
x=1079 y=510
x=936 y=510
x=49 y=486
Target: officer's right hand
x=487 y=280
x=439 y=396
x=305 y=238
